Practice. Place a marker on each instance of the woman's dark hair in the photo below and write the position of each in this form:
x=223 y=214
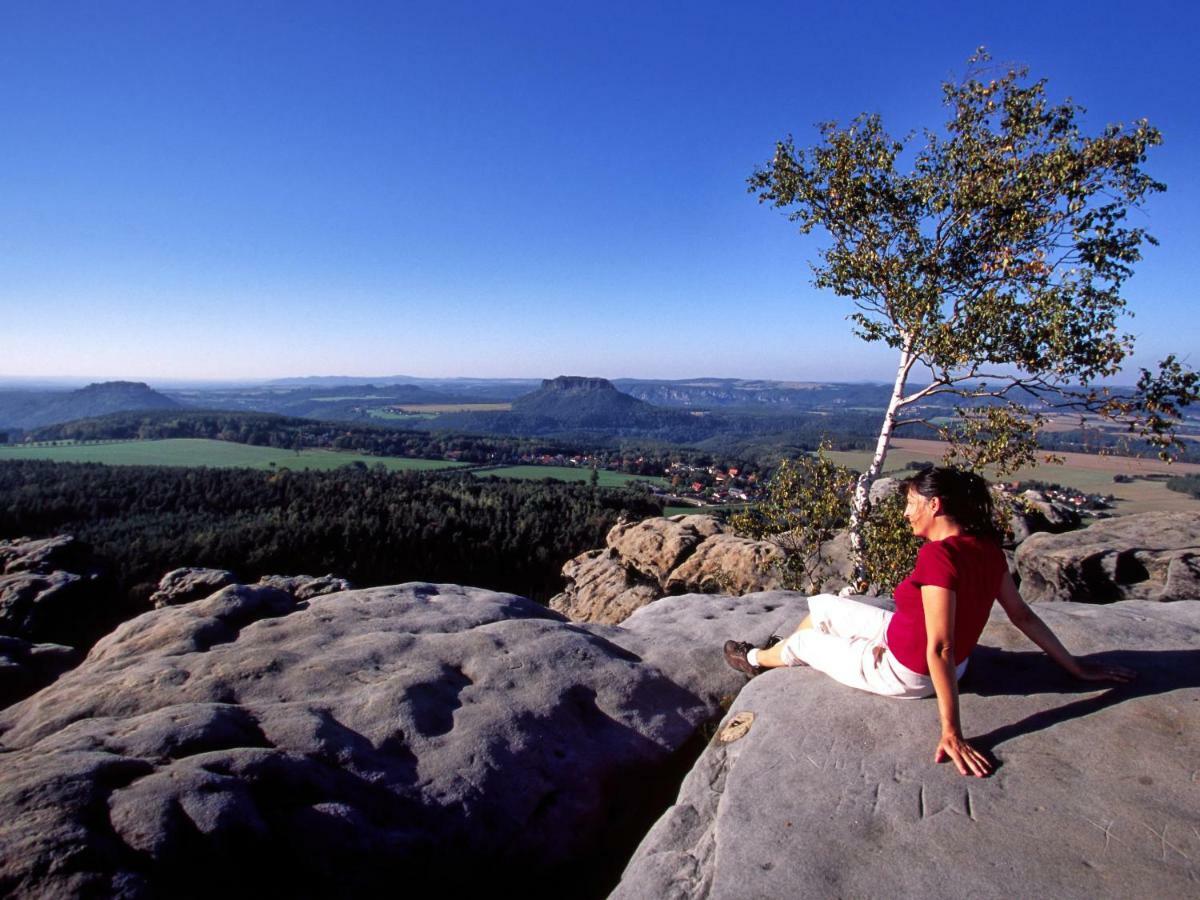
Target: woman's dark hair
x=965 y=498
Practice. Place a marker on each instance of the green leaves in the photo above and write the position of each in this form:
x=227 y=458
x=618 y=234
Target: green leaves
x=1000 y=254
x=808 y=500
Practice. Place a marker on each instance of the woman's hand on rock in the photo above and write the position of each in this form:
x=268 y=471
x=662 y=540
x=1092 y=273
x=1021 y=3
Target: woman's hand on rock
x=968 y=760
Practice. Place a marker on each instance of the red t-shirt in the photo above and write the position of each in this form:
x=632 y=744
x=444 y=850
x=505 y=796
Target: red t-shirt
x=970 y=566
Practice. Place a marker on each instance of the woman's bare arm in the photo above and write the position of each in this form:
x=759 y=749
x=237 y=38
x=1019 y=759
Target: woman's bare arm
x=939 y=655
x=1032 y=626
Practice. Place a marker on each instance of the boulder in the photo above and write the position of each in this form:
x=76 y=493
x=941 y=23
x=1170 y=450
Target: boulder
x=25 y=598
x=654 y=547
x=43 y=554
x=305 y=587
x=646 y=560
x=1146 y=556
x=26 y=667
x=348 y=744
x=1032 y=512
x=602 y=589
x=188 y=584
x=42 y=602
x=810 y=788
x=882 y=488
x=53 y=607
x=728 y=564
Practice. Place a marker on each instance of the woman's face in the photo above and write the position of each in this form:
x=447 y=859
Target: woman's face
x=920 y=513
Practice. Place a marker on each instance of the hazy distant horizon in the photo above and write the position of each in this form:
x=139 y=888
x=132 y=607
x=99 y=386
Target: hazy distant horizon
x=64 y=382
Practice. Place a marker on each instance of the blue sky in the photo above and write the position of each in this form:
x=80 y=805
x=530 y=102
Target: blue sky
x=257 y=189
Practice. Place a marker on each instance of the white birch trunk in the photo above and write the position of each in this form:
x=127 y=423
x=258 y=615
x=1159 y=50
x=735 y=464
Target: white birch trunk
x=860 y=504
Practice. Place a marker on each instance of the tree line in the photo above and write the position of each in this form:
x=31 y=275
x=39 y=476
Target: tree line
x=368 y=525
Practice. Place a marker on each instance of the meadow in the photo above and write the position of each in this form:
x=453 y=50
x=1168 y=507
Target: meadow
x=216 y=454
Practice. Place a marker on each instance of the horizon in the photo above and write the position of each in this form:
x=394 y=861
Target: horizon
x=235 y=195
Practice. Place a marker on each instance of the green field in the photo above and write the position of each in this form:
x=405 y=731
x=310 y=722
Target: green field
x=568 y=473
x=385 y=413
x=218 y=454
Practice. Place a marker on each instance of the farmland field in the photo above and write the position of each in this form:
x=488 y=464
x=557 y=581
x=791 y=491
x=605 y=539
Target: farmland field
x=568 y=473
x=218 y=454
x=434 y=408
x=1083 y=471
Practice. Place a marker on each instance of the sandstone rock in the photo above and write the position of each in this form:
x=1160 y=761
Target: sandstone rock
x=188 y=584
x=677 y=636
x=1147 y=556
x=361 y=742
x=26 y=667
x=728 y=564
x=833 y=793
x=27 y=599
x=42 y=603
x=656 y=546
x=42 y=554
x=882 y=488
x=601 y=589
x=646 y=560
x=1033 y=513
x=305 y=587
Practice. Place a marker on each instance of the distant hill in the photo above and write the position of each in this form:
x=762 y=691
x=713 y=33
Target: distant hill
x=570 y=405
x=584 y=403
x=32 y=409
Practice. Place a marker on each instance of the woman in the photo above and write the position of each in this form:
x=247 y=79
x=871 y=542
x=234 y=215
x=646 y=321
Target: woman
x=941 y=609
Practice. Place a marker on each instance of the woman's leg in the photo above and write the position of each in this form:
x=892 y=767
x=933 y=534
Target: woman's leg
x=772 y=657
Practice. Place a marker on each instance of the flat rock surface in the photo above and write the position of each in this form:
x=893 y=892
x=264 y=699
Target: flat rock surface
x=833 y=793
x=1147 y=556
x=350 y=744
x=677 y=635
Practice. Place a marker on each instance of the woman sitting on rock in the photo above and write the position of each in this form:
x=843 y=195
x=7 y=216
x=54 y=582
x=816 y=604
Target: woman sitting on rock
x=941 y=608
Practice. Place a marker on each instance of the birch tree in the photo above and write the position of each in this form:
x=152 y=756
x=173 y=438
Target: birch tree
x=992 y=263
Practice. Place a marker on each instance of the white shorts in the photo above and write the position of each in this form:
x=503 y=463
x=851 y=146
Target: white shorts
x=848 y=642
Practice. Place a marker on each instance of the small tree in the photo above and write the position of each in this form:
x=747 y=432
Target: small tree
x=993 y=266
x=806 y=505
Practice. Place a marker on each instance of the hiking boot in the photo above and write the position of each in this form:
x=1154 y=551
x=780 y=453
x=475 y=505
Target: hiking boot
x=770 y=642
x=735 y=655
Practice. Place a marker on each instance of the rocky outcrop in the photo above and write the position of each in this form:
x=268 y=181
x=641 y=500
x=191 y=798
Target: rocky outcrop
x=601 y=588
x=729 y=564
x=646 y=560
x=347 y=744
x=1147 y=556
x=1032 y=513
x=654 y=547
x=188 y=584
x=305 y=587
x=26 y=667
x=42 y=602
x=812 y=789
x=185 y=585
x=43 y=554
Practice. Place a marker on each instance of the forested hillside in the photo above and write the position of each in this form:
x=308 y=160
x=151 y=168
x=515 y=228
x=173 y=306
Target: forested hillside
x=368 y=525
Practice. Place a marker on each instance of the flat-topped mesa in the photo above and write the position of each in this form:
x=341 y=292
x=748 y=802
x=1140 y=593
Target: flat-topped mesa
x=576 y=383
